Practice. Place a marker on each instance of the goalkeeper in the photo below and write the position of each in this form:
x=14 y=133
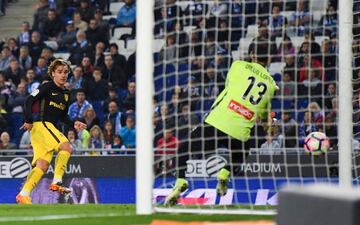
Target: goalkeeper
x=247 y=96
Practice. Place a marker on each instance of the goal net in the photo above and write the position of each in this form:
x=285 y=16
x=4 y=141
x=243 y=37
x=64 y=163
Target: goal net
x=195 y=45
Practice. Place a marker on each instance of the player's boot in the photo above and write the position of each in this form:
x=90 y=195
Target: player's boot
x=59 y=187
x=223 y=180
x=180 y=186
x=22 y=199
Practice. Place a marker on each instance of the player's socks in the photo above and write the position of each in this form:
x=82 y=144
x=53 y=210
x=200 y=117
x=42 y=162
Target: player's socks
x=31 y=181
x=223 y=180
x=60 y=165
x=180 y=186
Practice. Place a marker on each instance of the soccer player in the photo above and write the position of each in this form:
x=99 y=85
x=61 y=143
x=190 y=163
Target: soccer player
x=246 y=97
x=44 y=107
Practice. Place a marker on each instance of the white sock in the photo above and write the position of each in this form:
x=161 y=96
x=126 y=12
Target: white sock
x=56 y=180
x=24 y=193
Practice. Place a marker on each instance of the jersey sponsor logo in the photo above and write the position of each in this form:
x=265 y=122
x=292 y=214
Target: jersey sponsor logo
x=54 y=93
x=66 y=97
x=59 y=106
x=241 y=110
x=35 y=92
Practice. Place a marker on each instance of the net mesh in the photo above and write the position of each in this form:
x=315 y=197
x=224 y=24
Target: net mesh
x=196 y=43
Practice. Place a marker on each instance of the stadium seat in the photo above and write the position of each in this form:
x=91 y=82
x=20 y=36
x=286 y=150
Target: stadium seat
x=244 y=44
x=318 y=6
x=115 y=7
x=158 y=44
x=52 y=44
x=235 y=55
x=183 y=4
x=252 y=31
x=320 y=39
x=276 y=67
x=109 y=17
x=317 y=16
x=297 y=41
x=64 y=55
x=119 y=31
x=287 y=14
x=183 y=67
x=120 y=44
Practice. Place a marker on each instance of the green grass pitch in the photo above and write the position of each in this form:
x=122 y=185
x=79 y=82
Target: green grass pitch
x=63 y=214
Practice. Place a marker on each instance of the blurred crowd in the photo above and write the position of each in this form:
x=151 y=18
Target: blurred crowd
x=200 y=41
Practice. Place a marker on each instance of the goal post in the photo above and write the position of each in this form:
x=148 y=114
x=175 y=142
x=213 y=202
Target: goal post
x=345 y=92
x=144 y=106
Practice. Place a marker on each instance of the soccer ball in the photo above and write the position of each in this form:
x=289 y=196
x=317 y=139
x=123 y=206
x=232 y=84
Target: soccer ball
x=316 y=143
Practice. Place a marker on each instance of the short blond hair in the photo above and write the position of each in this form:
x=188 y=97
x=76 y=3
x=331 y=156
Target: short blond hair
x=57 y=62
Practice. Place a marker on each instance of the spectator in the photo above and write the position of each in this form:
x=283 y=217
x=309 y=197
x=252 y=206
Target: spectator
x=117 y=143
x=52 y=26
x=329 y=60
x=80 y=24
x=330 y=94
x=77 y=109
x=25 y=59
x=96 y=139
x=314 y=65
x=186 y=121
x=86 y=10
x=277 y=22
x=300 y=19
x=115 y=75
x=17 y=100
x=32 y=84
x=6 y=56
x=84 y=137
x=328 y=22
x=67 y=37
x=312 y=87
x=128 y=132
x=80 y=48
x=94 y=34
x=271 y=144
x=13 y=46
x=306 y=127
x=286 y=48
x=115 y=116
x=288 y=86
x=112 y=96
x=194 y=11
x=36 y=46
x=14 y=73
x=168 y=144
x=217 y=11
x=76 y=81
x=131 y=68
x=167 y=117
x=6 y=144
x=40 y=15
x=98 y=84
x=108 y=133
x=90 y=118
x=41 y=70
x=119 y=60
x=290 y=66
x=87 y=68
x=48 y=54
x=330 y=124
x=25 y=143
x=102 y=24
x=6 y=87
x=99 y=55
x=288 y=129
x=74 y=141
x=127 y=14
x=24 y=36
x=130 y=98
x=169 y=52
x=317 y=113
